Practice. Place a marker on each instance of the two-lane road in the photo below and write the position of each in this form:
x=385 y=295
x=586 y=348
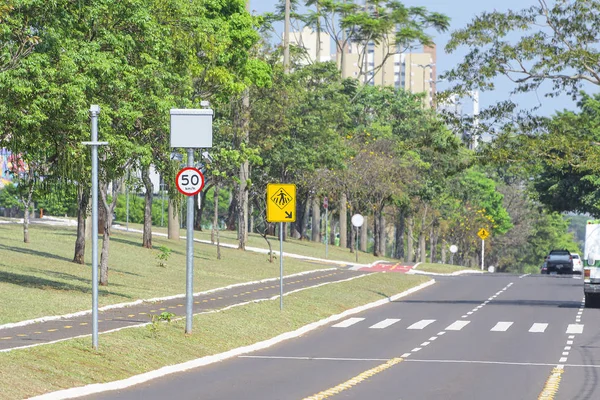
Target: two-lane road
x=492 y=336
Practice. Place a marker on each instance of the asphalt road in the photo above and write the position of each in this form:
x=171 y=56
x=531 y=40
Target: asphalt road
x=490 y=337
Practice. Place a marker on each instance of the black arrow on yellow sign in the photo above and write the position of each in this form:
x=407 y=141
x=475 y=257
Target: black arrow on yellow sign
x=288 y=214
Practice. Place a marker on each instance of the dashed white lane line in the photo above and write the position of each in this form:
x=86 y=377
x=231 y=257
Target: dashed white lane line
x=457 y=325
x=348 y=322
x=574 y=328
x=385 y=323
x=421 y=324
x=538 y=327
x=501 y=326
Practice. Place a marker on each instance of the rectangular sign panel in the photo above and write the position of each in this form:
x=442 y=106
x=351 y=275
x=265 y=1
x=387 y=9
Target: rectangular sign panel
x=281 y=202
x=191 y=128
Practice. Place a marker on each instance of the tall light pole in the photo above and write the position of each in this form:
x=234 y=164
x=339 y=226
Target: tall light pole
x=94 y=112
x=424 y=67
x=286 y=38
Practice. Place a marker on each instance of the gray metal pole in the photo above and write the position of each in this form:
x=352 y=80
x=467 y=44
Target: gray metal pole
x=94 y=111
x=356 y=249
x=482 y=247
x=162 y=205
x=190 y=254
x=281 y=265
x=127 y=202
x=326 y=234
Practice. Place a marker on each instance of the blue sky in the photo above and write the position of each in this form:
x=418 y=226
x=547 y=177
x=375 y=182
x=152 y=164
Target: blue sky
x=461 y=12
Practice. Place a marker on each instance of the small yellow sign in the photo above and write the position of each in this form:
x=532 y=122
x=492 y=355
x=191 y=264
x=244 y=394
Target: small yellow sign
x=281 y=202
x=483 y=234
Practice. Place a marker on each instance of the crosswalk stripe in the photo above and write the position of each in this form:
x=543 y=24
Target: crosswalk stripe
x=501 y=327
x=575 y=328
x=385 y=323
x=457 y=326
x=348 y=322
x=538 y=328
x=421 y=324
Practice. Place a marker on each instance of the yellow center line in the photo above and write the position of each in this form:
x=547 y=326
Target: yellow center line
x=355 y=381
x=67 y=326
x=162 y=309
x=142 y=313
x=552 y=384
x=196 y=302
x=22 y=335
x=83 y=323
x=131 y=315
x=52 y=330
x=179 y=305
x=38 y=332
x=6 y=338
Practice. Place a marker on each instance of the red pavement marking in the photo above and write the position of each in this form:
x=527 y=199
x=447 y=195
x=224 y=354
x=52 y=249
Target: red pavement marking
x=388 y=267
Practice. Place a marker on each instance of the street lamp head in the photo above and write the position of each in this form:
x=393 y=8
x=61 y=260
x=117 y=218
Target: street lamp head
x=94 y=109
x=205 y=104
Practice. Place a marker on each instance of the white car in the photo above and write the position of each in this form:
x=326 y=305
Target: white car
x=577 y=264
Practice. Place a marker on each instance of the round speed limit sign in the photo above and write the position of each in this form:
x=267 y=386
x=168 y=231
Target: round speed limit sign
x=190 y=181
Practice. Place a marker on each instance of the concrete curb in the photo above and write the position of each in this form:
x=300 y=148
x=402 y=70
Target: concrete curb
x=171 y=369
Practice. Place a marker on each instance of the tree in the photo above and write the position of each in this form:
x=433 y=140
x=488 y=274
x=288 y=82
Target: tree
x=16 y=27
x=555 y=45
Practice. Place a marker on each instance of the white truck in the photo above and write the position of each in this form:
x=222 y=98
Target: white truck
x=591 y=263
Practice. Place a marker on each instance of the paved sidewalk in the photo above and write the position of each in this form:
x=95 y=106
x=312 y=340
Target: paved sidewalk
x=111 y=319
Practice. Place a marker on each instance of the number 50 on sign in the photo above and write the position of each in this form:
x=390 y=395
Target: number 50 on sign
x=190 y=181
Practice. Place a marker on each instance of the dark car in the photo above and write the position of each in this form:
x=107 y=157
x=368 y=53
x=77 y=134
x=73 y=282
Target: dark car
x=558 y=262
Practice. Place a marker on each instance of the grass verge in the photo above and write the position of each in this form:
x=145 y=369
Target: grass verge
x=38 y=279
x=443 y=268
x=74 y=363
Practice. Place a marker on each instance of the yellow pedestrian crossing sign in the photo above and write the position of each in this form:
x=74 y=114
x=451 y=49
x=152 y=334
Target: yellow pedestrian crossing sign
x=281 y=202
x=483 y=234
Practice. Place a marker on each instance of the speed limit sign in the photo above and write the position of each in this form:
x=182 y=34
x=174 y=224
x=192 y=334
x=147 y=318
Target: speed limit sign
x=190 y=181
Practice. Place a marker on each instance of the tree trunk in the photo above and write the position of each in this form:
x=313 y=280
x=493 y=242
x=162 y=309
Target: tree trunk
x=26 y=204
x=316 y=220
x=232 y=213
x=433 y=244
x=382 y=235
x=363 y=240
x=332 y=231
x=443 y=251
x=251 y=218
x=148 y=197
x=409 y=240
x=352 y=239
x=303 y=234
x=108 y=211
x=215 y=213
x=400 y=227
x=343 y=220
x=199 y=203
x=244 y=116
x=376 y=234
x=173 y=221
x=214 y=235
x=422 y=243
x=83 y=200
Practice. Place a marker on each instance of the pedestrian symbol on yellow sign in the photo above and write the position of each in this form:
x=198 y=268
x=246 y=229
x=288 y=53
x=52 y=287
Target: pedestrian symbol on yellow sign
x=483 y=234
x=281 y=202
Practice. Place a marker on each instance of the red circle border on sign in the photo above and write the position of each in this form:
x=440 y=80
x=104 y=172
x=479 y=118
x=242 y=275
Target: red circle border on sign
x=187 y=169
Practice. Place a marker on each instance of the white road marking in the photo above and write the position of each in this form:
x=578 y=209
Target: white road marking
x=562 y=359
x=567 y=347
x=501 y=327
x=569 y=342
x=415 y=349
x=403 y=355
x=421 y=324
x=538 y=328
x=385 y=323
x=424 y=344
x=348 y=322
x=457 y=325
x=575 y=328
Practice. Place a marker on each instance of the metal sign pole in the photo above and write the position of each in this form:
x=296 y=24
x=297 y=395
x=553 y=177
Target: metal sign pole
x=356 y=249
x=482 y=248
x=281 y=265
x=326 y=234
x=189 y=254
x=94 y=113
